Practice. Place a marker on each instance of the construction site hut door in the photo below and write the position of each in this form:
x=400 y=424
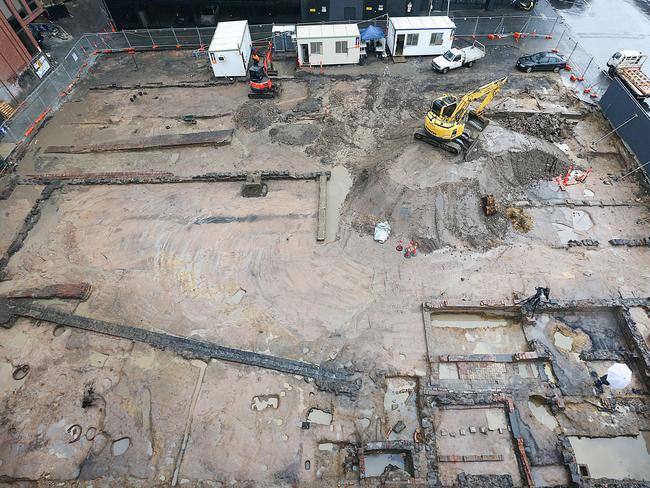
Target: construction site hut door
x=399 y=48
x=305 y=53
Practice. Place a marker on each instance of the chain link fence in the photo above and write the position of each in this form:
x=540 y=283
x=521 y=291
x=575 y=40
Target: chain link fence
x=532 y=33
x=587 y=77
x=49 y=94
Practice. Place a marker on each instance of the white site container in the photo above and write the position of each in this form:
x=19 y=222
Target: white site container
x=419 y=36
x=327 y=44
x=230 y=49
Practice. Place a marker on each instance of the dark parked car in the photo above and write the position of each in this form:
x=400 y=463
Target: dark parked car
x=541 y=62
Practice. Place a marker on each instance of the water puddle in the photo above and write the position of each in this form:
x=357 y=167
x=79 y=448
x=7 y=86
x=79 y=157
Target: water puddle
x=581 y=220
x=376 y=463
x=338 y=187
x=566 y=233
x=526 y=370
x=237 y=297
x=562 y=341
x=262 y=402
x=7 y=381
x=362 y=424
x=97 y=359
x=120 y=446
x=541 y=412
x=616 y=457
x=468 y=321
x=579 y=223
x=327 y=446
x=549 y=373
x=447 y=371
x=143 y=360
x=320 y=417
x=58 y=330
x=496 y=419
x=398 y=392
x=480 y=347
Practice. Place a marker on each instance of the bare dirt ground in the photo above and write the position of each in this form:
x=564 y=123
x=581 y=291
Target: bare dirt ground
x=199 y=260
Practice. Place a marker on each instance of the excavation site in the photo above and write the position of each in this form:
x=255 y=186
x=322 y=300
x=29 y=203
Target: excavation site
x=204 y=288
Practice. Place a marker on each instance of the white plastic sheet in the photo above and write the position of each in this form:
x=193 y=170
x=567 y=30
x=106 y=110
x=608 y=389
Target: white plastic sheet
x=382 y=232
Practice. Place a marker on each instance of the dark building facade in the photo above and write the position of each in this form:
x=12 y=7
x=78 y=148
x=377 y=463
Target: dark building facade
x=134 y=14
x=155 y=14
x=17 y=44
x=335 y=10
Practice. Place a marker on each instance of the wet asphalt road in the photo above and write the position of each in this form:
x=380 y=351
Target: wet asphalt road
x=605 y=26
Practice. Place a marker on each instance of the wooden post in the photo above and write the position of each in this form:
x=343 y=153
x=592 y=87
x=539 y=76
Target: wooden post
x=322 y=207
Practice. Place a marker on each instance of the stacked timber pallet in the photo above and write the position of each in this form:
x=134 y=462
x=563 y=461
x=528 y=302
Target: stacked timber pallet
x=6 y=110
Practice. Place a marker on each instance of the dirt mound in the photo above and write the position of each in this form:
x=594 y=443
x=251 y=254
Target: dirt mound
x=460 y=215
x=295 y=134
x=522 y=168
x=447 y=214
x=545 y=126
x=533 y=165
x=521 y=221
x=257 y=115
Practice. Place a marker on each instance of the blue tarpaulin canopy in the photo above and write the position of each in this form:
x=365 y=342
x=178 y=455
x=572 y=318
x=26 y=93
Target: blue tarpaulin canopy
x=371 y=33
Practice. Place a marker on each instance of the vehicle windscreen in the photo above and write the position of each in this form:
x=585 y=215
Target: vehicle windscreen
x=449 y=56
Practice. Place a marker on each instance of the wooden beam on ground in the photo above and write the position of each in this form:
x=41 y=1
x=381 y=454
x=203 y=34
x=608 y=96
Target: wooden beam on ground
x=322 y=207
x=338 y=381
x=79 y=291
x=215 y=137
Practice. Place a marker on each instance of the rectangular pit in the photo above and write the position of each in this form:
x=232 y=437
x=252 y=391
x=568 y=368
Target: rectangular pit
x=468 y=333
x=474 y=441
x=614 y=457
x=377 y=461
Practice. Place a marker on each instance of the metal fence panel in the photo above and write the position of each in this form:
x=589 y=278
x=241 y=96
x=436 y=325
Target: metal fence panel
x=504 y=25
x=48 y=94
x=629 y=119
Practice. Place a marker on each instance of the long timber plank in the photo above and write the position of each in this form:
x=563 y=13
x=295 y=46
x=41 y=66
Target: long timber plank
x=216 y=137
x=337 y=381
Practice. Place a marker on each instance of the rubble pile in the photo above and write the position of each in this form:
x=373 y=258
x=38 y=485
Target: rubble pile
x=256 y=116
x=545 y=126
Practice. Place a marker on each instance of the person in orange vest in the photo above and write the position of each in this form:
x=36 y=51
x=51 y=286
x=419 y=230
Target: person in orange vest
x=256 y=57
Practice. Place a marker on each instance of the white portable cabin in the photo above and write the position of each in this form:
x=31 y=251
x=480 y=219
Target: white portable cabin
x=327 y=44
x=230 y=49
x=420 y=36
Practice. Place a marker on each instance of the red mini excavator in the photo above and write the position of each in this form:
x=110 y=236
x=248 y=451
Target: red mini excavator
x=260 y=81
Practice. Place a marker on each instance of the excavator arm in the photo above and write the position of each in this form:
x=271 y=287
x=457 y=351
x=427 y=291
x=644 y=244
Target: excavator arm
x=486 y=93
x=268 y=57
x=444 y=124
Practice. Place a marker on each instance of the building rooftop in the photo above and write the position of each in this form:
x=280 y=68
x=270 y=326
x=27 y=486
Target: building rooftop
x=323 y=31
x=228 y=35
x=411 y=23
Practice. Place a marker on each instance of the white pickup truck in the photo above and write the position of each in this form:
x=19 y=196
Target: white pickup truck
x=455 y=58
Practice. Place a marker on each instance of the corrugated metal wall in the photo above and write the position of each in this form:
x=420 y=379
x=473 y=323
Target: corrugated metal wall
x=633 y=122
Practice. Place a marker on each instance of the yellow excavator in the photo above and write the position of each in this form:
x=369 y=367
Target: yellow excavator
x=444 y=125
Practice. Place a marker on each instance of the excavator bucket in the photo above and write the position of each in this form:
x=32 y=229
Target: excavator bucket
x=477 y=122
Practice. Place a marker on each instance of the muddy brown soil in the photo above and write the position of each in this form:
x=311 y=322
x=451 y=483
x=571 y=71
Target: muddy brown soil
x=198 y=260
